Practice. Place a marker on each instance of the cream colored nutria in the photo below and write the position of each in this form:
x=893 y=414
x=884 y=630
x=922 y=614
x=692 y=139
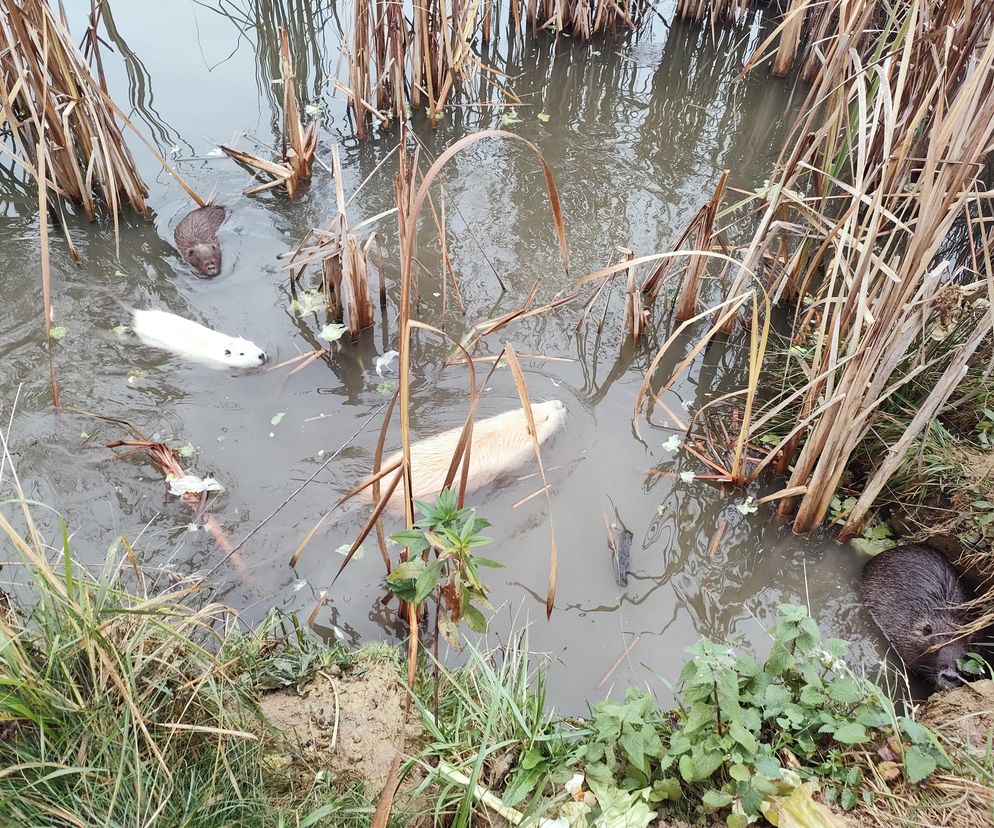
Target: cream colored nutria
x=500 y=445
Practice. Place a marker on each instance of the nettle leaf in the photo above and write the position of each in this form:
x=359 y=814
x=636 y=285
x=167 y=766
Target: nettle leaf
x=666 y=790
x=918 y=764
x=715 y=801
x=914 y=731
x=740 y=773
x=652 y=745
x=688 y=768
x=873 y=716
x=680 y=743
x=851 y=733
x=780 y=660
x=428 y=580
x=747 y=666
x=701 y=715
x=845 y=690
x=743 y=736
x=631 y=743
x=475 y=619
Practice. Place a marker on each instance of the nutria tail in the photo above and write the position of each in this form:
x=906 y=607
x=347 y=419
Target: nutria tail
x=196 y=238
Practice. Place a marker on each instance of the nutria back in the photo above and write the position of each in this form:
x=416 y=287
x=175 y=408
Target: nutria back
x=915 y=597
x=500 y=445
x=196 y=238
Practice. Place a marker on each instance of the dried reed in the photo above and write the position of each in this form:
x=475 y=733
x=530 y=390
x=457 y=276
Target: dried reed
x=884 y=159
x=344 y=262
x=299 y=142
x=61 y=119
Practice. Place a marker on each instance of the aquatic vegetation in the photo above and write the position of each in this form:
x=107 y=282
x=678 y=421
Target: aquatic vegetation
x=853 y=234
x=62 y=120
x=344 y=262
x=398 y=65
x=293 y=166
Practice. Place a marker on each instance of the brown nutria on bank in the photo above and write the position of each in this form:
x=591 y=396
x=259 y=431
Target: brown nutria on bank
x=915 y=596
x=196 y=238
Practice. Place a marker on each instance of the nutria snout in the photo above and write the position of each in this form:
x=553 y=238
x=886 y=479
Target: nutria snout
x=196 y=238
x=916 y=599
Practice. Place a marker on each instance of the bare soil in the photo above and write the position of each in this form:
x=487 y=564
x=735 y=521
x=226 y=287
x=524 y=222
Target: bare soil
x=350 y=724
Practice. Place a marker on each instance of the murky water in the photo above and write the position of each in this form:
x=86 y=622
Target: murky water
x=636 y=133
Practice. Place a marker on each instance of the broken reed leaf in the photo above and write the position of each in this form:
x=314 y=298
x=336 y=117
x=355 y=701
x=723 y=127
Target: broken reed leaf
x=343 y=550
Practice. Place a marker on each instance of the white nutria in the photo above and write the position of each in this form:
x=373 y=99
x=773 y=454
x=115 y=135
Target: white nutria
x=500 y=444
x=161 y=329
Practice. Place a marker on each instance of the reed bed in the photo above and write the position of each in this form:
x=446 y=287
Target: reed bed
x=397 y=64
x=293 y=166
x=853 y=233
x=62 y=123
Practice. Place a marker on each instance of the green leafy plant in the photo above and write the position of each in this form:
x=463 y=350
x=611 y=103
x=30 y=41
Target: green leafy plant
x=747 y=731
x=451 y=533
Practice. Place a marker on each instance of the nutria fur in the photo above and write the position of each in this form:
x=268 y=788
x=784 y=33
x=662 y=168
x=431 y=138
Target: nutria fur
x=500 y=444
x=915 y=597
x=196 y=239
x=189 y=339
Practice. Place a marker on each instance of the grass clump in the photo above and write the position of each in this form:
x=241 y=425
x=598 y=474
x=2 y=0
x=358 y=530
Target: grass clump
x=117 y=712
x=125 y=707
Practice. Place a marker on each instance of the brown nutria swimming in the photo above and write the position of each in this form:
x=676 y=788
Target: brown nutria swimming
x=915 y=597
x=196 y=238
x=500 y=444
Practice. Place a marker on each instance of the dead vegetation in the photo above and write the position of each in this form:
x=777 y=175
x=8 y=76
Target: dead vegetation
x=292 y=167
x=399 y=64
x=852 y=235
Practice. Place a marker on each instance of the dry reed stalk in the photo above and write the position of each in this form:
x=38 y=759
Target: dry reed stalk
x=703 y=225
x=719 y=10
x=344 y=261
x=889 y=148
x=61 y=119
x=299 y=143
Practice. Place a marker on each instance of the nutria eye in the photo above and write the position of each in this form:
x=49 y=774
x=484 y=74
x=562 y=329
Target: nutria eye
x=227 y=353
x=927 y=629
x=189 y=253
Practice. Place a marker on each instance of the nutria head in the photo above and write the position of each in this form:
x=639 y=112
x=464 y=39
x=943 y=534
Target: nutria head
x=914 y=595
x=549 y=416
x=205 y=257
x=241 y=353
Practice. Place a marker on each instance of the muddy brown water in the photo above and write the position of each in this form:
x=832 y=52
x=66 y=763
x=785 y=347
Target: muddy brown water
x=636 y=133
